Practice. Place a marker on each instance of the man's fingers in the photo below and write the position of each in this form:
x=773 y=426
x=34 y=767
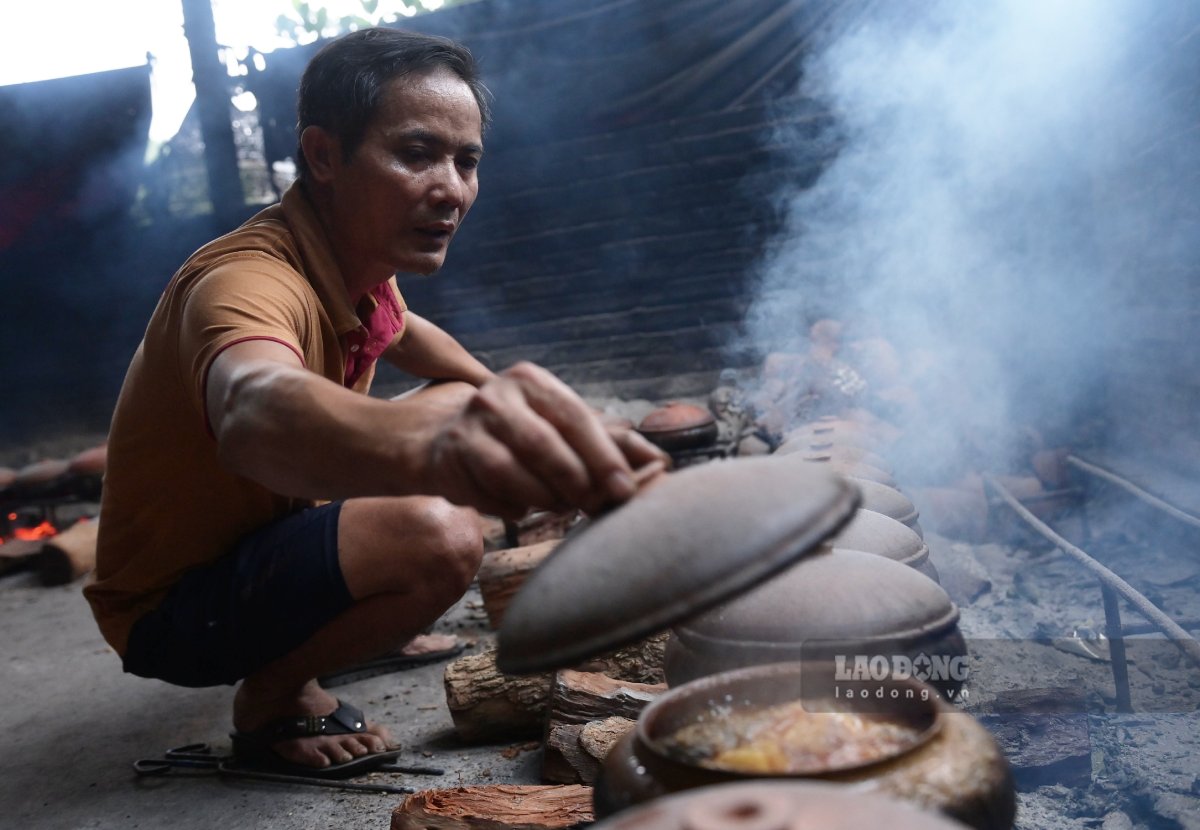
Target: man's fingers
x=609 y=475
x=637 y=449
x=491 y=479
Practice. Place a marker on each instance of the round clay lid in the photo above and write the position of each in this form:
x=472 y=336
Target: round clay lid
x=697 y=537
x=841 y=433
x=886 y=500
x=777 y=805
x=828 y=595
x=838 y=452
x=876 y=533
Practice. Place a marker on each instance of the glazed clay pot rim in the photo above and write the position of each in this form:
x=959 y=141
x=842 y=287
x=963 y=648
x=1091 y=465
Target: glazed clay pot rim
x=766 y=676
x=691 y=638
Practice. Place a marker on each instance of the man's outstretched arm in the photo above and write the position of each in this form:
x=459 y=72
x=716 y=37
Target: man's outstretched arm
x=523 y=439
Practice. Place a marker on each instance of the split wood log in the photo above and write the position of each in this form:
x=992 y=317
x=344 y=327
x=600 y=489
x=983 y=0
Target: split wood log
x=503 y=572
x=582 y=701
x=581 y=697
x=496 y=807
x=575 y=752
x=69 y=555
x=488 y=705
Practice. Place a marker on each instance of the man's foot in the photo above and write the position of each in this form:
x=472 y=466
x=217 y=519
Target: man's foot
x=255 y=714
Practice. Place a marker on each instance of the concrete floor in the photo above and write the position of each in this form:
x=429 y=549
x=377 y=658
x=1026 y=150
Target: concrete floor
x=74 y=723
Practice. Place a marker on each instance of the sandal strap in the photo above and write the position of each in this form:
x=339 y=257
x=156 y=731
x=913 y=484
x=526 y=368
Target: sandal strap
x=346 y=719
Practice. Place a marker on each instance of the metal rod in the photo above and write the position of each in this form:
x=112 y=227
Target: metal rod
x=1116 y=646
x=1129 y=487
x=1132 y=629
x=1181 y=639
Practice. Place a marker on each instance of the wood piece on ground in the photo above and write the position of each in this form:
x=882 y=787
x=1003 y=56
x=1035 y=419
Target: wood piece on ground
x=69 y=555
x=488 y=705
x=496 y=807
x=575 y=752
x=17 y=554
x=581 y=697
x=503 y=572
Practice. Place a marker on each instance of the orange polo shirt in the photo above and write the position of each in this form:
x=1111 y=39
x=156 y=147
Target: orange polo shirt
x=168 y=504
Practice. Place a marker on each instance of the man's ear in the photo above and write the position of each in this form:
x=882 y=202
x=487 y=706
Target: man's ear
x=322 y=151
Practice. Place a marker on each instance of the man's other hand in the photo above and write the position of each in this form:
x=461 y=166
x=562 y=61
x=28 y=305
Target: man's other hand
x=525 y=439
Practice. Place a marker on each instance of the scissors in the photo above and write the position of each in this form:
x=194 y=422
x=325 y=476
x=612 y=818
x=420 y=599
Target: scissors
x=199 y=759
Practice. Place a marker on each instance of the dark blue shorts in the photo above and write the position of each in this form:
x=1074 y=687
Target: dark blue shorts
x=224 y=621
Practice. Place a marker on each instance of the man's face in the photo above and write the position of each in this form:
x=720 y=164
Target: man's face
x=402 y=195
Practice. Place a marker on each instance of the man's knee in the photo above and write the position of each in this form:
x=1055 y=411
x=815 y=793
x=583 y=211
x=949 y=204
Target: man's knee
x=399 y=545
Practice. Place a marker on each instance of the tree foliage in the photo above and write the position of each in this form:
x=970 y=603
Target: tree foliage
x=309 y=21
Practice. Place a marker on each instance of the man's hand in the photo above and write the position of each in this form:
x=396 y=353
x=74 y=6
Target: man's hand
x=525 y=439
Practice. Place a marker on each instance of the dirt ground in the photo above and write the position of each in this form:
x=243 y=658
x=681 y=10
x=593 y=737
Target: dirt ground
x=75 y=723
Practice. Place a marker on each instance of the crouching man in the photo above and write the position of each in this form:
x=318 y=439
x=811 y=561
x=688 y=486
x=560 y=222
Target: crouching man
x=265 y=520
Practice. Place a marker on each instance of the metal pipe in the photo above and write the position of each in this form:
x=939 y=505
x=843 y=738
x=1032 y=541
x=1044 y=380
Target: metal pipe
x=1181 y=639
x=1116 y=646
x=1129 y=487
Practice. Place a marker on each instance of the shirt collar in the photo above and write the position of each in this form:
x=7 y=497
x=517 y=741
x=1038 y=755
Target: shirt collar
x=321 y=267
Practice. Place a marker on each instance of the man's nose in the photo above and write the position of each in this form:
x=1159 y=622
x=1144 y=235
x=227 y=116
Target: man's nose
x=449 y=189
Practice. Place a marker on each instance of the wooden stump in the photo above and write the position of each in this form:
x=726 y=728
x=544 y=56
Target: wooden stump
x=575 y=752
x=69 y=555
x=488 y=705
x=497 y=807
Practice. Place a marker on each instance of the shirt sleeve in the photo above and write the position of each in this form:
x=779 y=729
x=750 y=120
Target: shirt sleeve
x=242 y=298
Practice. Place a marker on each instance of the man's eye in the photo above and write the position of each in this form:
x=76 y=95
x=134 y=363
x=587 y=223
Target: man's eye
x=414 y=154
x=468 y=163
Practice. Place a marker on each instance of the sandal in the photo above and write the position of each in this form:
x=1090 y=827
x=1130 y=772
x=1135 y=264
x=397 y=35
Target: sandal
x=254 y=750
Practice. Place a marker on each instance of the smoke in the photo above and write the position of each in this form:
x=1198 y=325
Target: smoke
x=989 y=209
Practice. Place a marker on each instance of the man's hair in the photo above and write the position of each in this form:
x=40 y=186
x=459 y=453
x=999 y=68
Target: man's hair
x=342 y=85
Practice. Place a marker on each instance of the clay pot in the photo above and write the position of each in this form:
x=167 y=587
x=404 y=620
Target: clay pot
x=889 y=501
x=777 y=805
x=838 y=432
x=679 y=426
x=884 y=536
x=955 y=767
x=7 y=477
x=830 y=603
x=850 y=469
x=835 y=452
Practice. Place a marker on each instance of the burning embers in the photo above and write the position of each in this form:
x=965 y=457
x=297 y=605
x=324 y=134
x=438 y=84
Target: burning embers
x=33 y=534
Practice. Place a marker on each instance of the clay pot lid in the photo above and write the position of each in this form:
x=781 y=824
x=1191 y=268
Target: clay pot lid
x=828 y=595
x=679 y=425
x=777 y=805
x=697 y=537
x=882 y=535
x=886 y=500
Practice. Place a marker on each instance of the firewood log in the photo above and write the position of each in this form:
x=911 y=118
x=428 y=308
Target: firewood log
x=575 y=752
x=578 y=701
x=503 y=572
x=581 y=697
x=496 y=807
x=488 y=705
x=69 y=555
